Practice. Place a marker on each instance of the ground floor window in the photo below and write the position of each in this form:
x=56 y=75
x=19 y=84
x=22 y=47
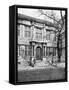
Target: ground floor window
x=51 y=51
x=27 y=50
x=63 y=51
x=54 y=51
x=23 y=50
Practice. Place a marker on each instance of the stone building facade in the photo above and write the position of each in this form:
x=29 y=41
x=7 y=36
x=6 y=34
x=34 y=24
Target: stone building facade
x=63 y=42
x=36 y=39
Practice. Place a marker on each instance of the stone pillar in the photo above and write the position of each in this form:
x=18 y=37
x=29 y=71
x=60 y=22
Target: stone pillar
x=44 y=57
x=45 y=52
x=44 y=33
x=35 y=51
x=42 y=51
x=31 y=51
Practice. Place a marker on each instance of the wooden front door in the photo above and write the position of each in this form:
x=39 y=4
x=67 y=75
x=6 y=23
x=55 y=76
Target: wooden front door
x=38 y=53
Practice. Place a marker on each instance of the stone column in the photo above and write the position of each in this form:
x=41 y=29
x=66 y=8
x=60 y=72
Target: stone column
x=33 y=55
x=30 y=50
x=35 y=51
x=44 y=57
x=42 y=51
x=45 y=51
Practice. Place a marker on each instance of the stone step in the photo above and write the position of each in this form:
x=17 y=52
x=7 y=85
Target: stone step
x=42 y=63
x=38 y=61
x=24 y=63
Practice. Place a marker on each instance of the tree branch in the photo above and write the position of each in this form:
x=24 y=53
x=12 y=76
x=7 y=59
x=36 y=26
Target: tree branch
x=42 y=13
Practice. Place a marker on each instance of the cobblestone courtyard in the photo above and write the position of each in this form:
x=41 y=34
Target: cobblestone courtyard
x=41 y=71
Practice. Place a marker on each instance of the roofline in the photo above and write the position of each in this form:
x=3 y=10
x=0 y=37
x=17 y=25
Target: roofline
x=30 y=18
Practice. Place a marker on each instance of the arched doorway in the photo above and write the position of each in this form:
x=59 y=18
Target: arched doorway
x=39 y=53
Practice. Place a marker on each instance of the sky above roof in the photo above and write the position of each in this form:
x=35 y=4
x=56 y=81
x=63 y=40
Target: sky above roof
x=35 y=13
x=30 y=12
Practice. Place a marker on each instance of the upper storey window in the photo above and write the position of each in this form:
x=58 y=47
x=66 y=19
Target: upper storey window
x=27 y=31
x=47 y=35
x=63 y=35
x=38 y=33
x=18 y=30
x=50 y=35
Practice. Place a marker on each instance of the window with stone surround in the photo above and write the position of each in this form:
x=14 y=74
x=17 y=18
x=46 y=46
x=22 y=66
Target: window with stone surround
x=27 y=50
x=21 y=51
x=47 y=51
x=47 y=35
x=18 y=30
x=51 y=51
x=50 y=35
x=38 y=34
x=27 y=31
